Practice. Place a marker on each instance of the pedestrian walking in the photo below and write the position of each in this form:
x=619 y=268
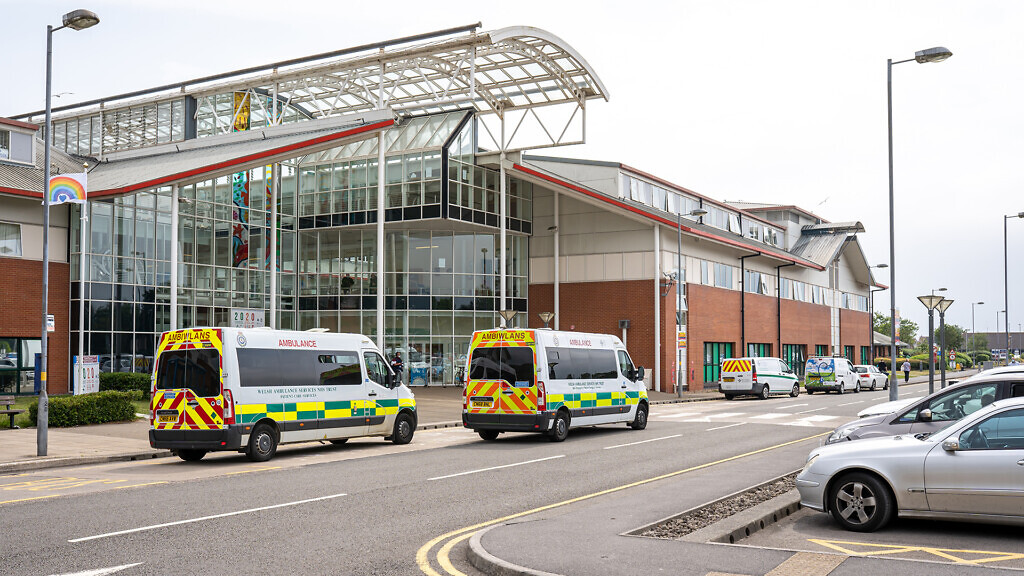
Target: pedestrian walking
x=906 y=371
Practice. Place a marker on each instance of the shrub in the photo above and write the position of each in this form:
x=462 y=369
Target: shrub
x=124 y=381
x=110 y=406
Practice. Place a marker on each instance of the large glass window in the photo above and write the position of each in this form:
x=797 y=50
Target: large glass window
x=714 y=353
x=10 y=239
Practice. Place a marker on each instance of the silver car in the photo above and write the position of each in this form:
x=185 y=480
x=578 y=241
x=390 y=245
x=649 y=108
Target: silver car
x=936 y=411
x=973 y=470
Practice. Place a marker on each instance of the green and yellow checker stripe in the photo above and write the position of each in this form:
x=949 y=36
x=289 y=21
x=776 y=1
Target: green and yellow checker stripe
x=594 y=399
x=296 y=411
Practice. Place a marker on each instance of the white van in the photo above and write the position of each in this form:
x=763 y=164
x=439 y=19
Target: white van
x=760 y=377
x=830 y=374
x=547 y=381
x=252 y=389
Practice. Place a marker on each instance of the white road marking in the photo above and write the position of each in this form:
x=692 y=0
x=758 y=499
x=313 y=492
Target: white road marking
x=642 y=441
x=818 y=418
x=814 y=410
x=101 y=571
x=679 y=415
x=849 y=403
x=769 y=416
x=191 y=520
x=726 y=426
x=790 y=405
x=725 y=415
x=496 y=467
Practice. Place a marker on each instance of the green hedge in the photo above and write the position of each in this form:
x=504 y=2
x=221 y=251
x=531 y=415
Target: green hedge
x=124 y=381
x=920 y=361
x=110 y=406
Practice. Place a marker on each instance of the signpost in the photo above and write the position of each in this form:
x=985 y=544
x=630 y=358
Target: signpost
x=50 y=323
x=87 y=374
x=248 y=318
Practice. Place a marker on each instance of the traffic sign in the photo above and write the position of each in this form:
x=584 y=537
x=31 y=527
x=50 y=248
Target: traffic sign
x=952 y=355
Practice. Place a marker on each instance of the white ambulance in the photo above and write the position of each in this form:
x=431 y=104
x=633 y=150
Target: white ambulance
x=252 y=389
x=541 y=380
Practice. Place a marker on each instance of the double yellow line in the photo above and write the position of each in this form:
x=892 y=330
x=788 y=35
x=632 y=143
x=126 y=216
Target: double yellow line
x=454 y=537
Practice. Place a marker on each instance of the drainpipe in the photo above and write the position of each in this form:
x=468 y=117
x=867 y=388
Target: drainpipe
x=743 y=302
x=778 y=300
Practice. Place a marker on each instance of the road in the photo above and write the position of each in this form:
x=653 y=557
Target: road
x=368 y=507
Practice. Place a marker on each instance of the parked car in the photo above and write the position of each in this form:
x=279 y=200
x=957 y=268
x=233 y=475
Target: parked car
x=895 y=405
x=936 y=411
x=871 y=377
x=823 y=374
x=970 y=471
x=759 y=377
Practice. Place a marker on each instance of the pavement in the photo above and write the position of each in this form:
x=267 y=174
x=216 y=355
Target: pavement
x=438 y=407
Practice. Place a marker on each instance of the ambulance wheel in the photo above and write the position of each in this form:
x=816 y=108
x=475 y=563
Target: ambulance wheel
x=191 y=455
x=560 y=429
x=489 y=435
x=640 y=420
x=765 y=393
x=262 y=444
x=404 y=429
x=795 y=392
x=339 y=441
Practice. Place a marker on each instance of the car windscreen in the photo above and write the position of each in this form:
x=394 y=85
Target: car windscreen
x=197 y=370
x=860 y=369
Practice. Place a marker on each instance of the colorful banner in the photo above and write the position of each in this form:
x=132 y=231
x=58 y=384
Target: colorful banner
x=240 y=190
x=68 y=188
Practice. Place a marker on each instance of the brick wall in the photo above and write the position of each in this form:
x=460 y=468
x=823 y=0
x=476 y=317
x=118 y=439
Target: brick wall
x=21 y=312
x=598 y=306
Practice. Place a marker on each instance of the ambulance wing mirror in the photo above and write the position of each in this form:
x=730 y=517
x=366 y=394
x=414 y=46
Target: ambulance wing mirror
x=393 y=380
x=637 y=374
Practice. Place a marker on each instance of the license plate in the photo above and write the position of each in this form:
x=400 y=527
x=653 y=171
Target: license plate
x=728 y=379
x=813 y=377
x=167 y=418
x=482 y=404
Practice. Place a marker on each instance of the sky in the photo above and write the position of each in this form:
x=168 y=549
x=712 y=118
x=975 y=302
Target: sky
x=781 y=102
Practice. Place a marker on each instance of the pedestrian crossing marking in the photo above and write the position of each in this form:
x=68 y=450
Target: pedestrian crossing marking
x=770 y=416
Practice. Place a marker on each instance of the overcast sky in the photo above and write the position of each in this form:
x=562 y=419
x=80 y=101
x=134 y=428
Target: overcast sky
x=780 y=102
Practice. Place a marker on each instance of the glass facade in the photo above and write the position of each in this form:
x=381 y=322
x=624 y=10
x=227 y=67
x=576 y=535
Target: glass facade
x=441 y=281
x=17 y=365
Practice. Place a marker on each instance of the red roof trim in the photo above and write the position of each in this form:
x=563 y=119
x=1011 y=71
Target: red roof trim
x=242 y=160
x=665 y=221
x=20 y=192
x=20 y=124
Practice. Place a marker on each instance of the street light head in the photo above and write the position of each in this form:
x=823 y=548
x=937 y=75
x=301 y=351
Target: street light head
x=883 y=265
x=1020 y=214
x=979 y=303
x=943 y=304
x=930 y=302
x=80 y=19
x=698 y=212
x=937 y=54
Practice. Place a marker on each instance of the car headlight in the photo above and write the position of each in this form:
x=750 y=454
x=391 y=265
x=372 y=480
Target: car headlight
x=840 y=434
x=810 y=460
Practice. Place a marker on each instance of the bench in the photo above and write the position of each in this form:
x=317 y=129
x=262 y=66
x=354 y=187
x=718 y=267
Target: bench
x=8 y=401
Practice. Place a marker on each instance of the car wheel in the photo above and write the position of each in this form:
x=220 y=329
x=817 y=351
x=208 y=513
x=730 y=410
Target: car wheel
x=856 y=387
x=873 y=384
x=560 y=429
x=339 y=441
x=404 y=429
x=842 y=388
x=795 y=392
x=886 y=387
x=489 y=435
x=640 y=420
x=191 y=455
x=730 y=396
x=262 y=444
x=765 y=393
x=860 y=502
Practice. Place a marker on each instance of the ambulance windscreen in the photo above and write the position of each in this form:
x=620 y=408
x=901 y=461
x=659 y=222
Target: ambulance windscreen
x=197 y=370
x=512 y=364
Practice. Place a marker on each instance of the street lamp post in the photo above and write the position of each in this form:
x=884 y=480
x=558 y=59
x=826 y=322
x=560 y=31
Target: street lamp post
x=871 y=320
x=998 y=312
x=974 y=340
x=76 y=20
x=1006 y=285
x=943 y=304
x=930 y=302
x=698 y=212
x=937 y=54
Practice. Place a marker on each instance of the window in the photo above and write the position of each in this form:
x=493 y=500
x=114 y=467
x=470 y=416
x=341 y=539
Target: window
x=714 y=353
x=197 y=370
x=580 y=364
x=821 y=349
x=723 y=276
x=17 y=365
x=625 y=364
x=955 y=404
x=10 y=239
x=704 y=274
x=795 y=356
x=1004 y=431
x=734 y=224
x=759 y=350
x=865 y=354
x=754 y=231
x=513 y=365
x=16 y=146
x=848 y=353
x=340 y=369
x=376 y=368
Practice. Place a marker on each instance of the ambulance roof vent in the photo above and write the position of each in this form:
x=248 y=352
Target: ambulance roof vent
x=318 y=330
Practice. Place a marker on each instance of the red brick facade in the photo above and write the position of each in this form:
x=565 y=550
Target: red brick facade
x=21 y=312
x=714 y=316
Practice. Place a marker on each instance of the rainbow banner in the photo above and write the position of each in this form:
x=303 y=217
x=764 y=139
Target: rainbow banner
x=68 y=188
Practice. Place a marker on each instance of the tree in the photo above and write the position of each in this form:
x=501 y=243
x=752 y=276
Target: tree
x=908 y=328
x=880 y=323
x=954 y=337
x=978 y=342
